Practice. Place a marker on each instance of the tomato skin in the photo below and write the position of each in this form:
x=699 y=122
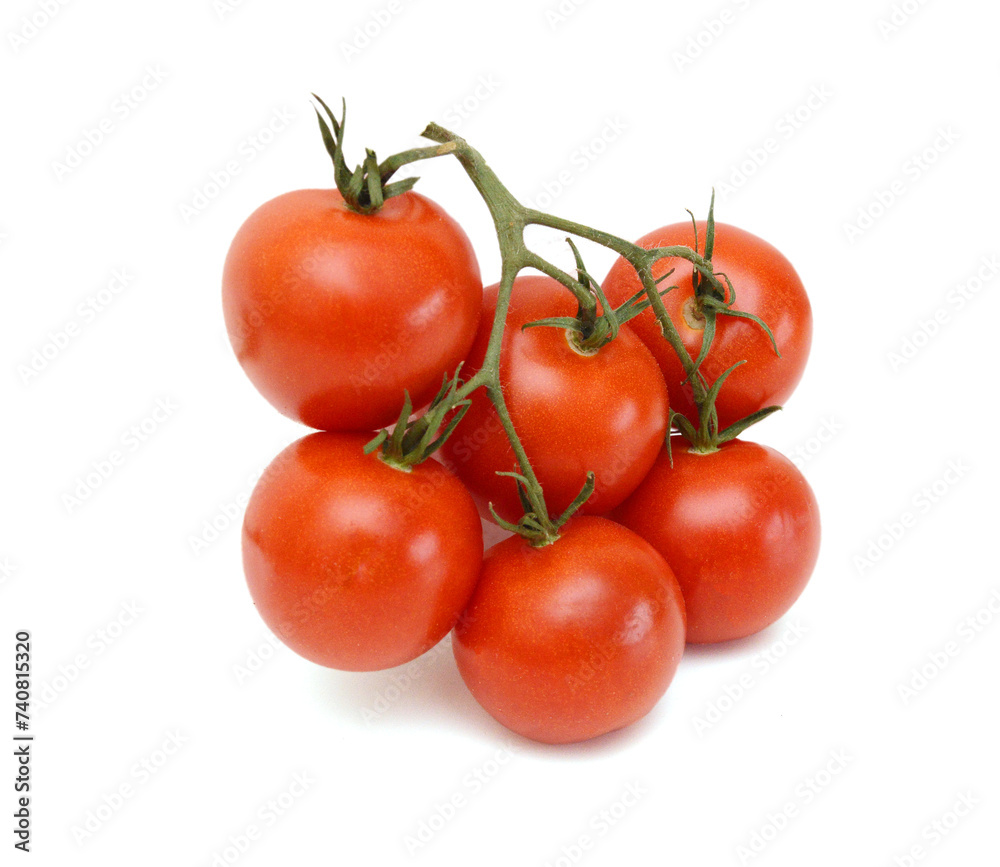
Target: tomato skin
x=573 y=640
x=354 y=564
x=573 y=413
x=766 y=285
x=333 y=313
x=740 y=528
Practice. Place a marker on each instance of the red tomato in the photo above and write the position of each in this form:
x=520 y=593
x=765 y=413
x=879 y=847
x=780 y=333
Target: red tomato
x=740 y=529
x=567 y=642
x=766 y=285
x=355 y=564
x=333 y=313
x=604 y=412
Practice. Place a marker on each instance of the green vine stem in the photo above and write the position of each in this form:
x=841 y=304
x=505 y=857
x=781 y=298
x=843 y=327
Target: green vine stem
x=510 y=218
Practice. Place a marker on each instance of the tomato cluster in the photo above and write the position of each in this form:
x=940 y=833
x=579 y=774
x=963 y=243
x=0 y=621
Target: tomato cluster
x=362 y=551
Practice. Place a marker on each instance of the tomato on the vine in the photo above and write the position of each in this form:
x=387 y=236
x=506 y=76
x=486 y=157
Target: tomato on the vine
x=766 y=286
x=334 y=313
x=349 y=308
x=602 y=410
x=574 y=639
x=740 y=528
x=356 y=564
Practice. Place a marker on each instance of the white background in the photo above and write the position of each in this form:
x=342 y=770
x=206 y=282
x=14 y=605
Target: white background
x=607 y=94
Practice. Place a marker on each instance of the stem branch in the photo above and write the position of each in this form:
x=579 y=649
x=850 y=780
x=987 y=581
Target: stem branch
x=510 y=219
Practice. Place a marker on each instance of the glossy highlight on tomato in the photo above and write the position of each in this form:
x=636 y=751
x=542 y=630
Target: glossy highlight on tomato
x=766 y=285
x=355 y=564
x=333 y=313
x=575 y=639
x=604 y=412
x=739 y=527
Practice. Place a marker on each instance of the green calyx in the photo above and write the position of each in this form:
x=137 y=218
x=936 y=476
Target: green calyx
x=706 y=437
x=411 y=442
x=536 y=527
x=596 y=323
x=710 y=300
x=366 y=188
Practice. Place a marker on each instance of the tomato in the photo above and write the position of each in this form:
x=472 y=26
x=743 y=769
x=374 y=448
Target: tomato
x=333 y=313
x=740 y=528
x=355 y=564
x=766 y=285
x=604 y=412
x=575 y=639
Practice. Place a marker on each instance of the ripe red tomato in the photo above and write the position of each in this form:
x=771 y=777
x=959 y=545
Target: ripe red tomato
x=739 y=527
x=355 y=564
x=604 y=412
x=766 y=285
x=333 y=313
x=567 y=642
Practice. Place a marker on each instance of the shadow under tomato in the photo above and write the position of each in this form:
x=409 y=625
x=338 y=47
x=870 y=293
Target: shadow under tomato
x=738 y=648
x=430 y=690
x=427 y=689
